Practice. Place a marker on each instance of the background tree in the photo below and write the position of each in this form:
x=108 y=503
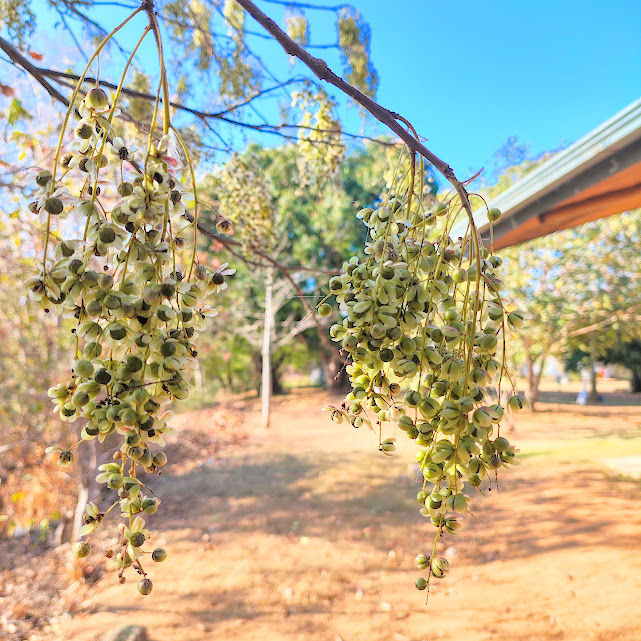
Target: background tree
x=627 y=354
x=582 y=288
x=312 y=209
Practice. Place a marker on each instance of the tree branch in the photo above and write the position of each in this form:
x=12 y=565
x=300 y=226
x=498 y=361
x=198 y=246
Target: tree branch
x=389 y=118
x=218 y=115
x=37 y=74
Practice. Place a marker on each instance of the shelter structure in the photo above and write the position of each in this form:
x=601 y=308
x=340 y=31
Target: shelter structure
x=597 y=176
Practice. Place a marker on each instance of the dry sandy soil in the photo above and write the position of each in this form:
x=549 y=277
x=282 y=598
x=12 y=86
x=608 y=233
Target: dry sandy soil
x=306 y=531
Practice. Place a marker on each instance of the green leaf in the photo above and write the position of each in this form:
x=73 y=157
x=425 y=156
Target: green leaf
x=17 y=112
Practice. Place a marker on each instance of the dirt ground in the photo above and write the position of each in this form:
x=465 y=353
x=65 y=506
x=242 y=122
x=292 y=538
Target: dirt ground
x=306 y=531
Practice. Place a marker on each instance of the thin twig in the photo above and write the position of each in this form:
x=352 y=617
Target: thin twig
x=321 y=70
x=220 y=115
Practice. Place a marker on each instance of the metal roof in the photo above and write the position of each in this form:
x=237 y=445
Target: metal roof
x=597 y=176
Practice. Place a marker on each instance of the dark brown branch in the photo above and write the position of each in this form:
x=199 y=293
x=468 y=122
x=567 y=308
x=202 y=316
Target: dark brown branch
x=18 y=58
x=219 y=115
x=389 y=118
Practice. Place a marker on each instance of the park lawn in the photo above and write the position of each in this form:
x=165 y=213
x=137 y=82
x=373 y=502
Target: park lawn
x=306 y=531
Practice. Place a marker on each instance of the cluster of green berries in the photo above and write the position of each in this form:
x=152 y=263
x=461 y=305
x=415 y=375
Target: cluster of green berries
x=137 y=295
x=423 y=318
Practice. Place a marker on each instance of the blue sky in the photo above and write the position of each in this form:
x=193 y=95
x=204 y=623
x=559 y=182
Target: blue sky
x=468 y=74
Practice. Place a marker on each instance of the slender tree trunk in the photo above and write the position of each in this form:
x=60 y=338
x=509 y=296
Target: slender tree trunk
x=277 y=376
x=593 y=397
x=635 y=381
x=266 y=386
x=86 y=485
x=534 y=378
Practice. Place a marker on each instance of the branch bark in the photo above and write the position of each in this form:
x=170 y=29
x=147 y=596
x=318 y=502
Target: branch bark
x=389 y=118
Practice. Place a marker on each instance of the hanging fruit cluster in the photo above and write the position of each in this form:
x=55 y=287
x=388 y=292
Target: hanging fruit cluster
x=120 y=261
x=424 y=322
x=245 y=201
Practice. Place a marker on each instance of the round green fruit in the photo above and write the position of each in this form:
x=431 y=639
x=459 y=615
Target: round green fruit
x=159 y=555
x=145 y=587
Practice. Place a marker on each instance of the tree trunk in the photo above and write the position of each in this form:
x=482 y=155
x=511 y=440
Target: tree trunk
x=266 y=386
x=277 y=376
x=534 y=379
x=86 y=485
x=593 y=397
x=335 y=374
x=635 y=381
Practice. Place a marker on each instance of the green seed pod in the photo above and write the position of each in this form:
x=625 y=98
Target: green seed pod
x=494 y=462
x=82 y=368
x=147 y=458
x=112 y=301
x=394 y=333
x=84 y=130
x=68 y=410
x=494 y=214
x=388 y=273
x=132 y=439
x=145 y=587
x=135 y=453
x=117 y=332
x=168 y=348
x=452 y=524
x=133 y=364
x=149 y=505
x=420 y=583
x=432 y=472
x=107 y=234
x=65 y=459
x=459 y=275
x=387 y=446
x=481 y=418
x=81 y=549
x=517 y=403
x=54 y=206
x=125 y=189
x=440 y=566
x=487 y=343
x=114 y=481
x=474 y=480
x=80 y=399
x=422 y=561
x=136 y=539
x=516 y=319
x=97 y=99
x=159 y=555
x=325 y=309
x=501 y=444
x=169 y=289
x=43 y=177
x=128 y=416
x=413 y=398
x=160 y=458
x=123 y=561
x=440 y=209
